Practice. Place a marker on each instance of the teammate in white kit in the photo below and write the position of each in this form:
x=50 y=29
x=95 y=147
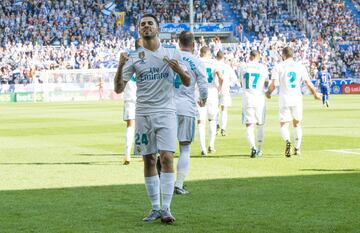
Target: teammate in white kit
x=155 y=66
x=228 y=76
x=254 y=80
x=214 y=78
x=186 y=105
x=129 y=112
x=289 y=75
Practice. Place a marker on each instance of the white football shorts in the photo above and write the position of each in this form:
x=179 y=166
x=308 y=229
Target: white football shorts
x=155 y=132
x=186 y=128
x=288 y=113
x=254 y=115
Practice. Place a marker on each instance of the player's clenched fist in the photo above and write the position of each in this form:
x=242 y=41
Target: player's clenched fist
x=123 y=59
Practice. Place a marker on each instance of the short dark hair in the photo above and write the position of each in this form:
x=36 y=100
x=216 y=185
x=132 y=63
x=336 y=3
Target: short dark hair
x=288 y=52
x=152 y=16
x=219 y=55
x=186 y=38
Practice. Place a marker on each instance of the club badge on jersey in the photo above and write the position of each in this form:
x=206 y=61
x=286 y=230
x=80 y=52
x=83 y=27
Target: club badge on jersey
x=142 y=57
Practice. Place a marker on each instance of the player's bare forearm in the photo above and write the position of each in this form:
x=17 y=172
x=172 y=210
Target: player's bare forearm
x=270 y=90
x=185 y=78
x=313 y=90
x=119 y=83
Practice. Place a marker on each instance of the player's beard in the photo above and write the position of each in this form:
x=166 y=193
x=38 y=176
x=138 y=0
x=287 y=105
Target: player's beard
x=149 y=36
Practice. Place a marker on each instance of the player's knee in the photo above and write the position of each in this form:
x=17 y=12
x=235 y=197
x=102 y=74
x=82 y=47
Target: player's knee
x=149 y=161
x=166 y=160
x=296 y=123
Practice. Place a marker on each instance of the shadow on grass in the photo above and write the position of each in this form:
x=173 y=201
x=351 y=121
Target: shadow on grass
x=314 y=203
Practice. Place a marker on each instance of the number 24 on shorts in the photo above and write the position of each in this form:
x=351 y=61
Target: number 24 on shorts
x=143 y=139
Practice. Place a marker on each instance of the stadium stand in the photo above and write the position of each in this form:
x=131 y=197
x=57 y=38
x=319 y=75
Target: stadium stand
x=82 y=34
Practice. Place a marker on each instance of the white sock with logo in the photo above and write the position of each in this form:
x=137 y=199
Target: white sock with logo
x=183 y=165
x=260 y=136
x=167 y=181
x=152 y=184
x=298 y=136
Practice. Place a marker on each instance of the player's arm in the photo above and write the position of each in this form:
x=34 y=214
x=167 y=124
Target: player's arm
x=201 y=80
x=271 y=88
x=119 y=83
x=274 y=82
x=312 y=89
x=184 y=75
x=221 y=79
x=309 y=84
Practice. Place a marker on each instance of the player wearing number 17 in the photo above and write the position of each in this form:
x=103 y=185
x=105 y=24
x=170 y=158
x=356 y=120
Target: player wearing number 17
x=155 y=66
x=254 y=79
x=289 y=75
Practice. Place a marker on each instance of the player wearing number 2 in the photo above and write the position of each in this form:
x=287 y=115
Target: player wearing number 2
x=155 y=66
x=254 y=79
x=289 y=75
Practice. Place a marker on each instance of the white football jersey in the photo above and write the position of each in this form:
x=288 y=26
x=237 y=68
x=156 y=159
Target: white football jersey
x=228 y=75
x=130 y=90
x=185 y=96
x=289 y=76
x=211 y=67
x=154 y=78
x=253 y=77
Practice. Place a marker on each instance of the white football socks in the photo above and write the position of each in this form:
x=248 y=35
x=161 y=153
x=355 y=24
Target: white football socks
x=212 y=133
x=152 y=184
x=285 y=132
x=201 y=130
x=298 y=136
x=167 y=181
x=224 y=119
x=260 y=136
x=129 y=139
x=250 y=135
x=183 y=165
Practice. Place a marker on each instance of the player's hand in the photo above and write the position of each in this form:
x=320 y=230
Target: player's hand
x=201 y=102
x=174 y=64
x=268 y=95
x=317 y=96
x=123 y=59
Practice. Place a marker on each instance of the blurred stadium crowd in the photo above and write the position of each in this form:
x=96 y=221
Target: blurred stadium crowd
x=64 y=34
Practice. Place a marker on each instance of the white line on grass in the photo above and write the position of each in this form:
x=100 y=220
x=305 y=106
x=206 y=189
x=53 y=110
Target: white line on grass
x=346 y=151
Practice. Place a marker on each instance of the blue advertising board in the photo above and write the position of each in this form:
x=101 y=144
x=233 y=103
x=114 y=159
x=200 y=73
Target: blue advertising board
x=336 y=85
x=198 y=27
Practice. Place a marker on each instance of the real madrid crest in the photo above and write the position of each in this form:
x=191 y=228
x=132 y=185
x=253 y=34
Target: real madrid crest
x=142 y=56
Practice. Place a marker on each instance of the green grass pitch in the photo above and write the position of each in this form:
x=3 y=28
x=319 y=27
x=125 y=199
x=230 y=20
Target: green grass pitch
x=61 y=171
